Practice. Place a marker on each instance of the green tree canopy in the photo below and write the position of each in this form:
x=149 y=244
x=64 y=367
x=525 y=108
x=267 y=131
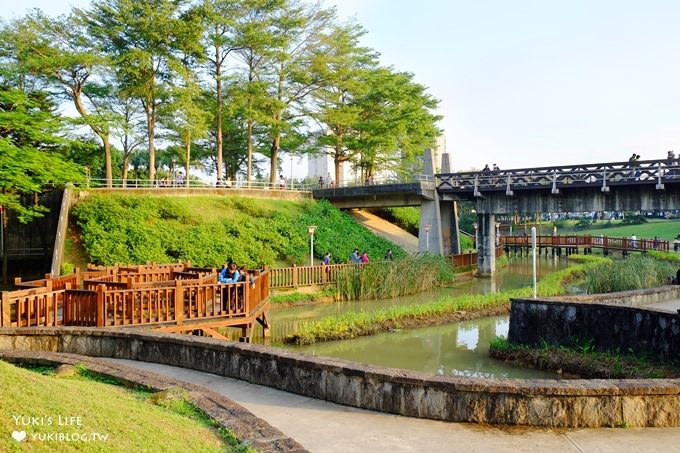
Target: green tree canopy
x=29 y=151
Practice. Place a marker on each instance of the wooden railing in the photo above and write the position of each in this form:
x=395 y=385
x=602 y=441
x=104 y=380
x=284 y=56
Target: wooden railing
x=106 y=302
x=603 y=242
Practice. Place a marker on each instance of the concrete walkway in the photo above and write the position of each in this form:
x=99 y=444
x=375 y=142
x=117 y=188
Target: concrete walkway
x=321 y=426
x=386 y=230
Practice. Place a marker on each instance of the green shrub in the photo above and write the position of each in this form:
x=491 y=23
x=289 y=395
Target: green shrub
x=636 y=272
x=383 y=280
x=210 y=230
x=67 y=268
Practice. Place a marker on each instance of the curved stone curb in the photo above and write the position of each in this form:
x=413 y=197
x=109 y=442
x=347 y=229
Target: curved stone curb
x=554 y=403
x=247 y=427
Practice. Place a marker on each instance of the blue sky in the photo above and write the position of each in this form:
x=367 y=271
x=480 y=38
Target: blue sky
x=529 y=83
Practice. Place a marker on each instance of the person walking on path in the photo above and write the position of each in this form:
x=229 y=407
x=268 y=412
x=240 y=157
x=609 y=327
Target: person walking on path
x=363 y=258
x=354 y=257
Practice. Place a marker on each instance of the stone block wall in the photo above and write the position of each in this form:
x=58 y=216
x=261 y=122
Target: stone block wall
x=554 y=403
x=606 y=326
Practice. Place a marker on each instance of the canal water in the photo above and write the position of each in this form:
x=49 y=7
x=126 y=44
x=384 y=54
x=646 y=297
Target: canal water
x=458 y=349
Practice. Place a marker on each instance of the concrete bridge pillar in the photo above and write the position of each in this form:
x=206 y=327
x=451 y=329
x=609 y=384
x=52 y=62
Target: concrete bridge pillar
x=486 y=244
x=430 y=231
x=449 y=217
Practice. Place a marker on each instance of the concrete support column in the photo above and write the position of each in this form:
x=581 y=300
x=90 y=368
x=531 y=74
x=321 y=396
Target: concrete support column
x=449 y=217
x=430 y=231
x=486 y=244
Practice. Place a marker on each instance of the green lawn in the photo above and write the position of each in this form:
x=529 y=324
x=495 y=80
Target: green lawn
x=665 y=229
x=40 y=405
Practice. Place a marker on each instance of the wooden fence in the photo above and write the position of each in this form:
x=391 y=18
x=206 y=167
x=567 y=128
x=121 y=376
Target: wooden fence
x=602 y=242
x=124 y=298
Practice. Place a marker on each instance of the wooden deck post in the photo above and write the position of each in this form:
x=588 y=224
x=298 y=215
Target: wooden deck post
x=295 y=276
x=100 y=315
x=179 y=302
x=5 y=310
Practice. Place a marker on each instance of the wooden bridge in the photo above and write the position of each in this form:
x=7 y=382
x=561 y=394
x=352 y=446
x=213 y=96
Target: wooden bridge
x=173 y=298
x=587 y=242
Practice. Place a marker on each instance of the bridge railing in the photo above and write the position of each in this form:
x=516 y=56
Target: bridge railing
x=386 y=180
x=600 y=175
x=164 y=185
x=603 y=242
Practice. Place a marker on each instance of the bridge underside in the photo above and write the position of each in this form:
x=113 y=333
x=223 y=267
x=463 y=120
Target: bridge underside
x=378 y=196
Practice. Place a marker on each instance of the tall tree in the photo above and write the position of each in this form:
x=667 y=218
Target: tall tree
x=297 y=31
x=30 y=141
x=185 y=116
x=342 y=65
x=147 y=42
x=60 y=52
x=256 y=37
x=396 y=122
x=221 y=18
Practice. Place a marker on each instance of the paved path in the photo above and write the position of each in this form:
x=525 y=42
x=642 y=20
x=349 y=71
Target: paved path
x=323 y=427
x=383 y=228
x=671 y=306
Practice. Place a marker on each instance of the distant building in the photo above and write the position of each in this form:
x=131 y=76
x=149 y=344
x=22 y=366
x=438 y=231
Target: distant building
x=322 y=165
x=439 y=149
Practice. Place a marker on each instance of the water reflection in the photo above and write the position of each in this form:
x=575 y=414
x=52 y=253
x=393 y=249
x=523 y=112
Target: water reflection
x=459 y=349
x=516 y=275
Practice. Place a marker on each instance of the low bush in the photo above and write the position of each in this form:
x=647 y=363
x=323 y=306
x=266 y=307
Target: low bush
x=635 y=272
x=210 y=230
x=383 y=280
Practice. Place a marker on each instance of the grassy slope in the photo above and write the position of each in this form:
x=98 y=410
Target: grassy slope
x=208 y=230
x=131 y=423
x=665 y=229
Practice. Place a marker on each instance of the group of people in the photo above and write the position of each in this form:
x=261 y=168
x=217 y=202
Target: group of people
x=356 y=258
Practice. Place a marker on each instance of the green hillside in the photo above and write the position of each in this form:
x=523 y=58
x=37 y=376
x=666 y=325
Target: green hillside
x=209 y=230
x=664 y=229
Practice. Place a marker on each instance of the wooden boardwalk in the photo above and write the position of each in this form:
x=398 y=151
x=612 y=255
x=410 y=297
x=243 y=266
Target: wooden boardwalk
x=174 y=297
x=588 y=242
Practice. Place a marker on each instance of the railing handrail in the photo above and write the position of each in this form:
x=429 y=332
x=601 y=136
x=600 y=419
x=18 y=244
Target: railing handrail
x=100 y=183
x=655 y=171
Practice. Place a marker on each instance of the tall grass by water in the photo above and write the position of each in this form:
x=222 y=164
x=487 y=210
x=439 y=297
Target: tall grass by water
x=635 y=272
x=356 y=324
x=384 y=280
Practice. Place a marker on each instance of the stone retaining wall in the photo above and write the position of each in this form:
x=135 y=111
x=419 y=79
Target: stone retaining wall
x=636 y=298
x=604 y=326
x=248 y=428
x=555 y=403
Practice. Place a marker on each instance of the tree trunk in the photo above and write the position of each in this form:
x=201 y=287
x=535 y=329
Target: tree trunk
x=250 y=151
x=188 y=161
x=107 y=160
x=101 y=133
x=218 y=80
x=276 y=145
x=338 y=162
x=126 y=160
x=150 y=108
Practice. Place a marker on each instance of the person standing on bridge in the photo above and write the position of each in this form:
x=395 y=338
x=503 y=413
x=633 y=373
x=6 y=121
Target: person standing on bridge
x=634 y=166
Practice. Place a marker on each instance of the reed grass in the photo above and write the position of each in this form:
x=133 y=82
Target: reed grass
x=635 y=272
x=356 y=324
x=384 y=280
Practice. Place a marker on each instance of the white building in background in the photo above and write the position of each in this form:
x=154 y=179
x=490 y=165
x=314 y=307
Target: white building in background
x=322 y=165
x=439 y=149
